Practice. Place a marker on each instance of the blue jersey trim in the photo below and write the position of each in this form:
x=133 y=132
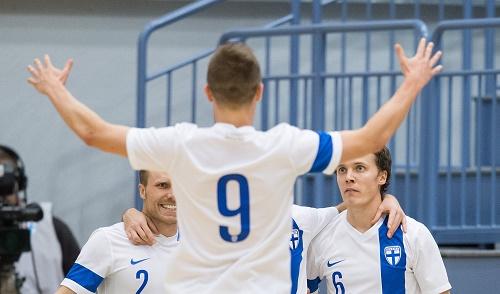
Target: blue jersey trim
x=296 y=257
x=84 y=277
x=313 y=285
x=324 y=155
x=392 y=261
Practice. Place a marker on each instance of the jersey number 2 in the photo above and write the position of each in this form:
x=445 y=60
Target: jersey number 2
x=243 y=210
x=138 y=276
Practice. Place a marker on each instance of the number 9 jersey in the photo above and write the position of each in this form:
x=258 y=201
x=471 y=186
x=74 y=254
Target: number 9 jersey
x=109 y=263
x=233 y=188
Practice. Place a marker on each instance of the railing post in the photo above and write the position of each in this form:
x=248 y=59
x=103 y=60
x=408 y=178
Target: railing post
x=294 y=63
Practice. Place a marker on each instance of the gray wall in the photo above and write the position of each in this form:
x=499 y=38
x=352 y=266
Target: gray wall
x=89 y=188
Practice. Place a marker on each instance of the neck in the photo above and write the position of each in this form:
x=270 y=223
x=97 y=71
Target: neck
x=238 y=117
x=360 y=216
x=167 y=230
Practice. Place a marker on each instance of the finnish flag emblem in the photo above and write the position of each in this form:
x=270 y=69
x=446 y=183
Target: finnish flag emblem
x=392 y=254
x=294 y=240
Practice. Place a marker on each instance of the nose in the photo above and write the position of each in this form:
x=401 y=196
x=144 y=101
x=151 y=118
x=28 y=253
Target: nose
x=349 y=177
x=170 y=195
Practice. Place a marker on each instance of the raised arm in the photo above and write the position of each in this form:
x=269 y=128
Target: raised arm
x=89 y=126
x=375 y=134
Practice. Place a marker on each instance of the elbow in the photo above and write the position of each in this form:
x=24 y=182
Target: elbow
x=375 y=141
x=89 y=138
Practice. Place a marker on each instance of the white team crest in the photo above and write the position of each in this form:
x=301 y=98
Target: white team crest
x=392 y=254
x=294 y=240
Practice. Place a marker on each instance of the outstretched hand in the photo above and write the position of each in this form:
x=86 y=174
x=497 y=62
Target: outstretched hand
x=45 y=76
x=422 y=66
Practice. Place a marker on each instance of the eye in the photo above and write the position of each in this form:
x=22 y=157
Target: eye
x=163 y=185
x=360 y=168
x=341 y=170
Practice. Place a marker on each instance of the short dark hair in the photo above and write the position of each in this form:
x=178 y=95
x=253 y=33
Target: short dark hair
x=383 y=161
x=233 y=75
x=143 y=177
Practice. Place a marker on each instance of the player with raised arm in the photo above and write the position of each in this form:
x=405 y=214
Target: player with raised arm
x=234 y=183
x=109 y=263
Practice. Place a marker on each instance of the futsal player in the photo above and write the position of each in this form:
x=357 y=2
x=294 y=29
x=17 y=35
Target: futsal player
x=109 y=263
x=355 y=256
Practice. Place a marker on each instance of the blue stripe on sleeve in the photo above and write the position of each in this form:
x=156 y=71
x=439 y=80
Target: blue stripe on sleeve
x=392 y=261
x=313 y=285
x=324 y=155
x=296 y=256
x=84 y=277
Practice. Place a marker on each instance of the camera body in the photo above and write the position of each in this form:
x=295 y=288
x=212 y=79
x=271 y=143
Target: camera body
x=14 y=236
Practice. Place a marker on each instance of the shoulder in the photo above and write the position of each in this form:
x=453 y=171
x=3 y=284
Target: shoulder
x=113 y=232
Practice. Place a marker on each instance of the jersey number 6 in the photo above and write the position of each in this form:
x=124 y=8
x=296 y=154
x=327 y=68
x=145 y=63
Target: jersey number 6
x=243 y=210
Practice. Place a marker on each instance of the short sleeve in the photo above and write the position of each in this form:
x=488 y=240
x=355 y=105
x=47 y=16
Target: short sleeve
x=152 y=149
x=324 y=216
x=313 y=268
x=316 y=151
x=92 y=265
x=429 y=269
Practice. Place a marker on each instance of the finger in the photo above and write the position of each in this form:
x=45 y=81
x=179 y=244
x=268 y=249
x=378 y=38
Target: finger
x=428 y=50
x=32 y=70
x=377 y=216
x=48 y=63
x=405 y=224
x=400 y=52
x=390 y=222
x=38 y=63
x=437 y=69
x=421 y=48
x=134 y=238
x=32 y=81
x=142 y=235
x=66 y=70
x=149 y=235
x=435 y=58
x=152 y=226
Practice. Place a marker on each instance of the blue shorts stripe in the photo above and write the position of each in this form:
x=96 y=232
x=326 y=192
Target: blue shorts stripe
x=392 y=260
x=324 y=155
x=84 y=277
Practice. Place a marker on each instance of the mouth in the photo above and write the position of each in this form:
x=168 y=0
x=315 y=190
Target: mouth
x=350 y=190
x=169 y=206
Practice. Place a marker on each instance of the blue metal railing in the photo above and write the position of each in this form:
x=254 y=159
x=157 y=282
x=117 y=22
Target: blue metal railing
x=440 y=159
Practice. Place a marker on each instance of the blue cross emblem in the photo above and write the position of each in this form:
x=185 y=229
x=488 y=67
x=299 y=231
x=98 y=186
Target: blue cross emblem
x=392 y=254
x=294 y=239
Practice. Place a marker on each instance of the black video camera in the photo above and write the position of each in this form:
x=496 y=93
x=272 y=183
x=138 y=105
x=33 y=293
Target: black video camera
x=14 y=237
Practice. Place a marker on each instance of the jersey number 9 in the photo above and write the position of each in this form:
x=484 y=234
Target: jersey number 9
x=243 y=210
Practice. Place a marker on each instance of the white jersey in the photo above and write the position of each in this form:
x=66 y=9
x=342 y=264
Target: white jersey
x=307 y=222
x=233 y=189
x=369 y=262
x=109 y=263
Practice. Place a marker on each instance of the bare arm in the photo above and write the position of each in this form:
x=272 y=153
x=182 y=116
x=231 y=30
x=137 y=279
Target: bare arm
x=89 y=126
x=375 y=134
x=64 y=290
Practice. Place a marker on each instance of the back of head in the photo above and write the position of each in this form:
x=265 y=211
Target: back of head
x=383 y=160
x=233 y=75
x=12 y=171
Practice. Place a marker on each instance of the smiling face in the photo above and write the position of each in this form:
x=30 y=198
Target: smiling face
x=159 y=199
x=359 y=181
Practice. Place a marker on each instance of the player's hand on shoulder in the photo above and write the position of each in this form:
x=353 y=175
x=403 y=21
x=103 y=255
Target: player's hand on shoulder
x=139 y=228
x=390 y=205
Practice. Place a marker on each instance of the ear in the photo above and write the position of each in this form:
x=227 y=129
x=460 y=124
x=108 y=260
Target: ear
x=142 y=191
x=382 y=177
x=208 y=92
x=258 y=93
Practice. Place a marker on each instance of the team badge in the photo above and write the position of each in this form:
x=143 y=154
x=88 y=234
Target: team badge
x=294 y=240
x=392 y=254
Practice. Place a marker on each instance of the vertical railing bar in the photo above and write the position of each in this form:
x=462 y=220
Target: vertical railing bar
x=338 y=110
x=306 y=119
x=478 y=139
x=448 y=155
x=169 y=98
x=493 y=157
x=349 y=83
x=441 y=10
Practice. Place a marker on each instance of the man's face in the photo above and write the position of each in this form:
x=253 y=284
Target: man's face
x=359 y=180
x=159 y=200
